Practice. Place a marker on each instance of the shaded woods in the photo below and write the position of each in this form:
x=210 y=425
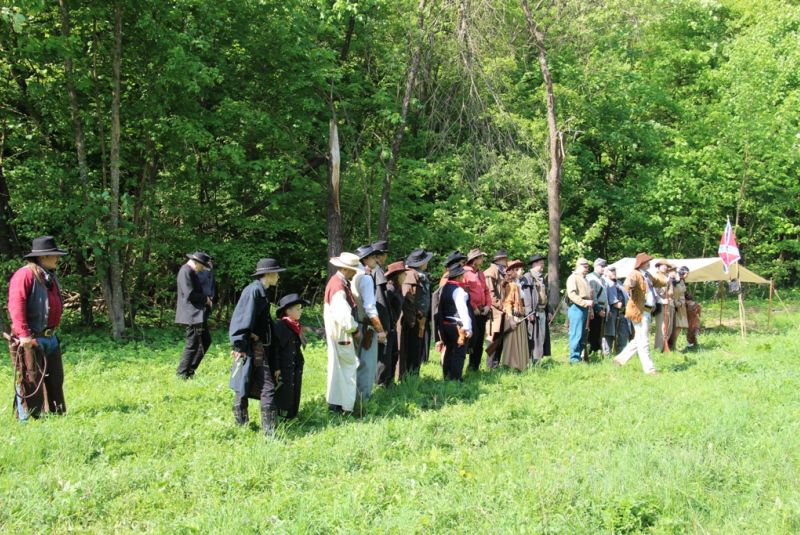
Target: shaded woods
x=136 y=131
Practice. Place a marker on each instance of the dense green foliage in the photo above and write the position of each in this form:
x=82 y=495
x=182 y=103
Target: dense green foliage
x=709 y=446
x=676 y=114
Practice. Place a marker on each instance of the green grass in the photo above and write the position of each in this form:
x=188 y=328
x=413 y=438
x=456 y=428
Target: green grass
x=710 y=446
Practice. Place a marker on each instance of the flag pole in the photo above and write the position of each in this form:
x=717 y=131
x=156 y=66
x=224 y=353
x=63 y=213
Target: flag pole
x=721 y=299
x=769 y=310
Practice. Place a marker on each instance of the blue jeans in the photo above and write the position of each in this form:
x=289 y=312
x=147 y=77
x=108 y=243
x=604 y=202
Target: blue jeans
x=577 y=331
x=48 y=345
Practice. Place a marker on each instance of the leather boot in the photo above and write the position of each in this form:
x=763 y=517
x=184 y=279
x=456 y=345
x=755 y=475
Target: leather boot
x=241 y=415
x=269 y=421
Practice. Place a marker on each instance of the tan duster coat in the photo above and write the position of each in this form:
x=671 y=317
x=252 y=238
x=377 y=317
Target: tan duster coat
x=494 y=281
x=681 y=319
x=637 y=286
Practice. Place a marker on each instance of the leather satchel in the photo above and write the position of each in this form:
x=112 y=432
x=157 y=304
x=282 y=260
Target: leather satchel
x=367 y=337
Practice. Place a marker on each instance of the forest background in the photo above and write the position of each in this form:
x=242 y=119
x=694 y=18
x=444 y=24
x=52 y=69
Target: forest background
x=138 y=131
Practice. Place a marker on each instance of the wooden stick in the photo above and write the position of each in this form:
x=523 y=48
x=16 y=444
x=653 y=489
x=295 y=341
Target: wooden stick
x=721 y=298
x=742 y=315
x=769 y=310
x=786 y=309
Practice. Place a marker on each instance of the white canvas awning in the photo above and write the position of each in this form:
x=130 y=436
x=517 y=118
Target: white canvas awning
x=700 y=270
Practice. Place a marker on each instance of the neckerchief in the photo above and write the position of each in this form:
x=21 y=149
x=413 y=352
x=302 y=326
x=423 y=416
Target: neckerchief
x=461 y=285
x=294 y=325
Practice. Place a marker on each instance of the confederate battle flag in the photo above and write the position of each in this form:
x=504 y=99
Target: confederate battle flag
x=728 y=250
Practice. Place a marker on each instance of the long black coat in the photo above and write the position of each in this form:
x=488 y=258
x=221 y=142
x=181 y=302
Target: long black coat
x=191 y=299
x=289 y=350
x=251 y=316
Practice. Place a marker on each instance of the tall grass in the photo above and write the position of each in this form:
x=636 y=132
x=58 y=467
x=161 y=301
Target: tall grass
x=710 y=446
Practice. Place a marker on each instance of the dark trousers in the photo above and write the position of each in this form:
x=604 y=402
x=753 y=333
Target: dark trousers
x=198 y=340
x=454 y=355
x=29 y=364
x=288 y=395
x=476 y=342
x=493 y=360
x=262 y=386
x=595 y=338
x=387 y=360
x=410 y=351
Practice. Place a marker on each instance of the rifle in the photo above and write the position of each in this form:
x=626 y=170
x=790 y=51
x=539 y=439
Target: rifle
x=491 y=348
x=616 y=333
x=588 y=320
x=666 y=319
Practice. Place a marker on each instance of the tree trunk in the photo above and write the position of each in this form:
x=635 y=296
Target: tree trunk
x=335 y=243
x=556 y=149
x=112 y=279
x=383 y=225
x=85 y=290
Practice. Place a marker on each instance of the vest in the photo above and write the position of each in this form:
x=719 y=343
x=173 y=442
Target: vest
x=38 y=310
x=447 y=305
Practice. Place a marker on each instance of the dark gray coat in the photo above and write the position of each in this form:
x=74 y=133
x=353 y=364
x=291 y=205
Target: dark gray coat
x=530 y=296
x=191 y=299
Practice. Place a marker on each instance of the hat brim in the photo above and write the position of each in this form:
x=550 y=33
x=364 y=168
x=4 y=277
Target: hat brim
x=260 y=272
x=516 y=265
x=192 y=257
x=638 y=264
x=470 y=258
x=282 y=309
x=422 y=262
x=57 y=252
x=336 y=262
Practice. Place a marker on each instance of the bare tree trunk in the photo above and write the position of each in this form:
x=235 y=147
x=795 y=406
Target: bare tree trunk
x=556 y=149
x=383 y=224
x=112 y=279
x=85 y=290
x=101 y=127
x=335 y=243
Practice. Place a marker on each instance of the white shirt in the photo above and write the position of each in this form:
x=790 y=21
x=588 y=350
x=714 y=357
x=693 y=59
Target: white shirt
x=366 y=298
x=650 y=296
x=460 y=297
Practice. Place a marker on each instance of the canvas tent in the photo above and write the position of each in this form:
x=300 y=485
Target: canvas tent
x=700 y=270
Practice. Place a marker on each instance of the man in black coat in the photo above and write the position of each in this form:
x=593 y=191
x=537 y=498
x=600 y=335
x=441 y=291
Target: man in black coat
x=192 y=302
x=256 y=369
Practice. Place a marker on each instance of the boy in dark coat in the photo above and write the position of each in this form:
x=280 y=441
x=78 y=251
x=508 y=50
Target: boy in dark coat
x=388 y=355
x=289 y=344
x=255 y=365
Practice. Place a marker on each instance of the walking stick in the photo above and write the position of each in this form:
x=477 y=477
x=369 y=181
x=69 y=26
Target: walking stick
x=616 y=333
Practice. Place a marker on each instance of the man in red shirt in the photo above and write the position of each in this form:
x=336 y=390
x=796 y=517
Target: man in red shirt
x=35 y=306
x=481 y=301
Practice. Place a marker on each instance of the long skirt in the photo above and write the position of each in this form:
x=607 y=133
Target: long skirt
x=515 y=348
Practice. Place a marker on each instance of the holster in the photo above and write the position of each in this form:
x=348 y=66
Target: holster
x=366 y=337
x=462 y=335
x=422 y=323
x=258 y=354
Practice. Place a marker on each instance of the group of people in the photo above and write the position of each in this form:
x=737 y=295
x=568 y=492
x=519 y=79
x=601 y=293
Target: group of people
x=380 y=322
x=610 y=317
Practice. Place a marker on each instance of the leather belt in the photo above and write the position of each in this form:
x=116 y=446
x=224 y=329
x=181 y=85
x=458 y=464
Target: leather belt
x=47 y=333
x=649 y=309
x=542 y=309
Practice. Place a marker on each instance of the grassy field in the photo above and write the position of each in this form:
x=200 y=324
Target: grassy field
x=710 y=446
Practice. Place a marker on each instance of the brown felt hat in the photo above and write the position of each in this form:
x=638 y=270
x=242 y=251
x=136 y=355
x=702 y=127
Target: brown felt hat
x=394 y=269
x=641 y=258
x=515 y=265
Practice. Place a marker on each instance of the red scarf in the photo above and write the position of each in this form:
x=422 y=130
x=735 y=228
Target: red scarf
x=293 y=324
x=461 y=285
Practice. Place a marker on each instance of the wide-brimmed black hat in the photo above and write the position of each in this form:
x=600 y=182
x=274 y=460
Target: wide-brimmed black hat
x=500 y=254
x=45 y=246
x=267 y=265
x=535 y=258
x=381 y=246
x=455 y=270
x=455 y=256
x=418 y=258
x=199 y=256
x=289 y=300
x=364 y=251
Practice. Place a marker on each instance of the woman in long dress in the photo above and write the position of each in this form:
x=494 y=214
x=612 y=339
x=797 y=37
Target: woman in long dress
x=515 y=346
x=681 y=320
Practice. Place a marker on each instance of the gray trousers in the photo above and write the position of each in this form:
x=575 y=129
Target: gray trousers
x=367 y=366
